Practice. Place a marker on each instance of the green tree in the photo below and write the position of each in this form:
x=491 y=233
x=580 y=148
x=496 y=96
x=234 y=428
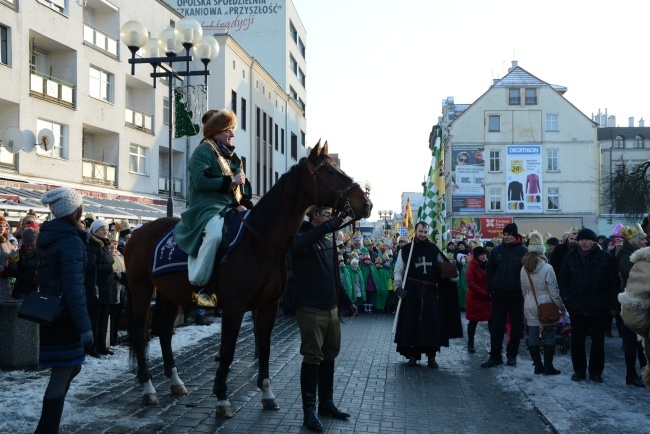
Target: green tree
x=626 y=191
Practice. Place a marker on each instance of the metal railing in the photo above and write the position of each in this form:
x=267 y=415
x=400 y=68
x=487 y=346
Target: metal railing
x=98 y=172
x=177 y=184
x=138 y=119
x=101 y=40
x=52 y=89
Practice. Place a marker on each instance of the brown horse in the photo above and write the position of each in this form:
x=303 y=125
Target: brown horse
x=253 y=277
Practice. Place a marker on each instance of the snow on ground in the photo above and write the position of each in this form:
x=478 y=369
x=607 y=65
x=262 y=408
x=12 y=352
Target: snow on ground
x=21 y=392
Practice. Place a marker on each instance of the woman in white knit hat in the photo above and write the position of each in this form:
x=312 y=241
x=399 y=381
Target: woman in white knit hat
x=536 y=270
x=62 y=252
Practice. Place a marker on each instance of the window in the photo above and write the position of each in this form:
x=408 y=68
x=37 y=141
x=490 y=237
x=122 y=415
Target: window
x=138 y=160
x=271 y=132
x=282 y=141
x=494 y=123
x=301 y=47
x=165 y=119
x=639 y=142
x=495 y=199
x=553 y=198
x=301 y=77
x=60 y=138
x=293 y=32
x=4 y=45
x=293 y=93
x=531 y=97
x=303 y=140
x=495 y=160
x=233 y=101
x=243 y=114
x=101 y=85
x=57 y=5
x=552 y=122
x=553 y=160
x=293 y=65
x=619 y=142
x=514 y=98
x=276 y=136
x=294 y=146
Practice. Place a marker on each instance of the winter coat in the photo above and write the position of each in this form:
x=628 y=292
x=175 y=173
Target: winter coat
x=503 y=267
x=62 y=254
x=589 y=285
x=635 y=300
x=350 y=277
x=25 y=270
x=623 y=260
x=99 y=272
x=208 y=194
x=478 y=304
x=6 y=251
x=546 y=289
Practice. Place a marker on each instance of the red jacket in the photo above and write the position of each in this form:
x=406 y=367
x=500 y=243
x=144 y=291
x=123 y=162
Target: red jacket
x=478 y=305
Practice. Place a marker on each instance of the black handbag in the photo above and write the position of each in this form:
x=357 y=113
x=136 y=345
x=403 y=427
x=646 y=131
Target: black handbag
x=41 y=308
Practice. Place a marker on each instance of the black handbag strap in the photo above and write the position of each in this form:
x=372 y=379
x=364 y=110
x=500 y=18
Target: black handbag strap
x=532 y=287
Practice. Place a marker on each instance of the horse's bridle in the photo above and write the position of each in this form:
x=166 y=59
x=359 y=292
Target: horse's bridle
x=340 y=194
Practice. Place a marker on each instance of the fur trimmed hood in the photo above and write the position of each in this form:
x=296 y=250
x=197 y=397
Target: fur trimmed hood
x=641 y=255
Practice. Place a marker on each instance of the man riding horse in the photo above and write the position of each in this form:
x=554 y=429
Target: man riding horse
x=217 y=182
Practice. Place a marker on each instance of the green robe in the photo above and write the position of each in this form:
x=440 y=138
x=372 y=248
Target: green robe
x=383 y=282
x=349 y=276
x=208 y=194
x=461 y=286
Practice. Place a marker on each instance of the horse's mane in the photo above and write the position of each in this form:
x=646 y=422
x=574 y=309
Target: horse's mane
x=276 y=201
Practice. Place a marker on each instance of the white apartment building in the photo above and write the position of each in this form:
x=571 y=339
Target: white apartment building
x=66 y=70
x=521 y=152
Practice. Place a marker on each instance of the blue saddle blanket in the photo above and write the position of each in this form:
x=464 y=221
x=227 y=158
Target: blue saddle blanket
x=168 y=257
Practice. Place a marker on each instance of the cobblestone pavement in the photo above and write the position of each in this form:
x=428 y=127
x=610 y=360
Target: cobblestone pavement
x=373 y=383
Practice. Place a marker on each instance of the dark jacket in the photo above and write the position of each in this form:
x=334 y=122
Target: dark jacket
x=503 y=268
x=62 y=255
x=623 y=262
x=26 y=273
x=99 y=271
x=589 y=285
x=313 y=267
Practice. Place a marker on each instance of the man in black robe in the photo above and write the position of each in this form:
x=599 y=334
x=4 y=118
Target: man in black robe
x=429 y=314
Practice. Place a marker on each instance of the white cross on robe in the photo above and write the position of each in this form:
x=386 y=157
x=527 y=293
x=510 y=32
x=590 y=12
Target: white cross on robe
x=422 y=263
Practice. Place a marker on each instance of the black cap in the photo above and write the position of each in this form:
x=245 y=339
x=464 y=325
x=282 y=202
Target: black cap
x=587 y=234
x=512 y=229
x=553 y=241
x=478 y=251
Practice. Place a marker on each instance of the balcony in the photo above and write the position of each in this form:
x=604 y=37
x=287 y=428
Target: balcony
x=177 y=185
x=138 y=120
x=98 y=172
x=52 y=89
x=531 y=100
x=100 y=40
x=515 y=101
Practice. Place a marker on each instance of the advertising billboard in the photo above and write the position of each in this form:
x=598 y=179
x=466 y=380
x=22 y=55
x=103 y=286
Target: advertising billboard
x=478 y=227
x=524 y=179
x=468 y=177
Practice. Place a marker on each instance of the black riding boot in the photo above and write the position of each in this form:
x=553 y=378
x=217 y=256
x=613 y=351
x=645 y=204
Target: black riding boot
x=471 y=332
x=50 y=416
x=326 y=405
x=537 y=359
x=308 y=385
x=549 y=369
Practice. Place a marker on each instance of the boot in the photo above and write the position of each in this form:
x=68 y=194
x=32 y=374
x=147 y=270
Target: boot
x=50 y=416
x=471 y=331
x=537 y=359
x=326 y=405
x=308 y=385
x=549 y=369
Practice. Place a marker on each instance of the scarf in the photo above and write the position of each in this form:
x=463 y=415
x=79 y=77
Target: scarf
x=226 y=150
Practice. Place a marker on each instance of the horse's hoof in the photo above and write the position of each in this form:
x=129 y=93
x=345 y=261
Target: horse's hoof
x=179 y=389
x=270 y=404
x=224 y=411
x=150 y=399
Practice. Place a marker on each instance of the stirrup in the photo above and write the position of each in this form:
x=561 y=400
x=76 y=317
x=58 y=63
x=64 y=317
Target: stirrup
x=203 y=299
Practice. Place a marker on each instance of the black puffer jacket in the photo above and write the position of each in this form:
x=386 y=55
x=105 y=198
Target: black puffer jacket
x=62 y=256
x=503 y=268
x=99 y=271
x=313 y=268
x=589 y=285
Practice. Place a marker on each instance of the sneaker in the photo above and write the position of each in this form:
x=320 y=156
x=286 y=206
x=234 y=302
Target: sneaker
x=491 y=363
x=578 y=377
x=512 y=361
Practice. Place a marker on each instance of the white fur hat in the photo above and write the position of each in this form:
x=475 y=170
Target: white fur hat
x=536 y=243
x=62 y=201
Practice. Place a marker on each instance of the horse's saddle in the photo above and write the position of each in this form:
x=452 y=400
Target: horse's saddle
x=168 y=257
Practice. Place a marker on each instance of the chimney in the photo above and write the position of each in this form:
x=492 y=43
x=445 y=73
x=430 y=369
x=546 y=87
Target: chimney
x=611 y=121
x=514 y=65
x=641 y=123
x=630 y=121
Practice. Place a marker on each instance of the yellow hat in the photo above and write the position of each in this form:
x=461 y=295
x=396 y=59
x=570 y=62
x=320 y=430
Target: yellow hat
x=630 y=232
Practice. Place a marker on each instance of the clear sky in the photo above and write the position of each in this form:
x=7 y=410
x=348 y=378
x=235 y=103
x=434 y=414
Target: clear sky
x=378 y=70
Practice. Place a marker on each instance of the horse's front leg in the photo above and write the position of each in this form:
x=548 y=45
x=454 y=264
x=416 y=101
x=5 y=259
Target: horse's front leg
x=169 y=315
x=230 y=325
x=264 y=323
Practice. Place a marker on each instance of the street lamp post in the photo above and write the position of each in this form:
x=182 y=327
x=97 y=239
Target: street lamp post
x=187 y=34
x=386 y=214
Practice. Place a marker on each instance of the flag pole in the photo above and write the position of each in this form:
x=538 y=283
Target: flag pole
x=399 y=303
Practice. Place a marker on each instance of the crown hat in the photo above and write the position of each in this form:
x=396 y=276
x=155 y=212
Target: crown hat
x=631 y=232
x=575 y=230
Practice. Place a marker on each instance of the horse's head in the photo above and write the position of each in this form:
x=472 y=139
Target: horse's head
x=332 y=187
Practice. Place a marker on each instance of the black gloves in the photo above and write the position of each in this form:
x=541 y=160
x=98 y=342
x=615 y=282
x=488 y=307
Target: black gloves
x=87 y=338
x=400 y=292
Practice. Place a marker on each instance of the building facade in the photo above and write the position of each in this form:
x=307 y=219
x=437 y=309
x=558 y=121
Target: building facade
x=521 y=152
x=69 y=74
